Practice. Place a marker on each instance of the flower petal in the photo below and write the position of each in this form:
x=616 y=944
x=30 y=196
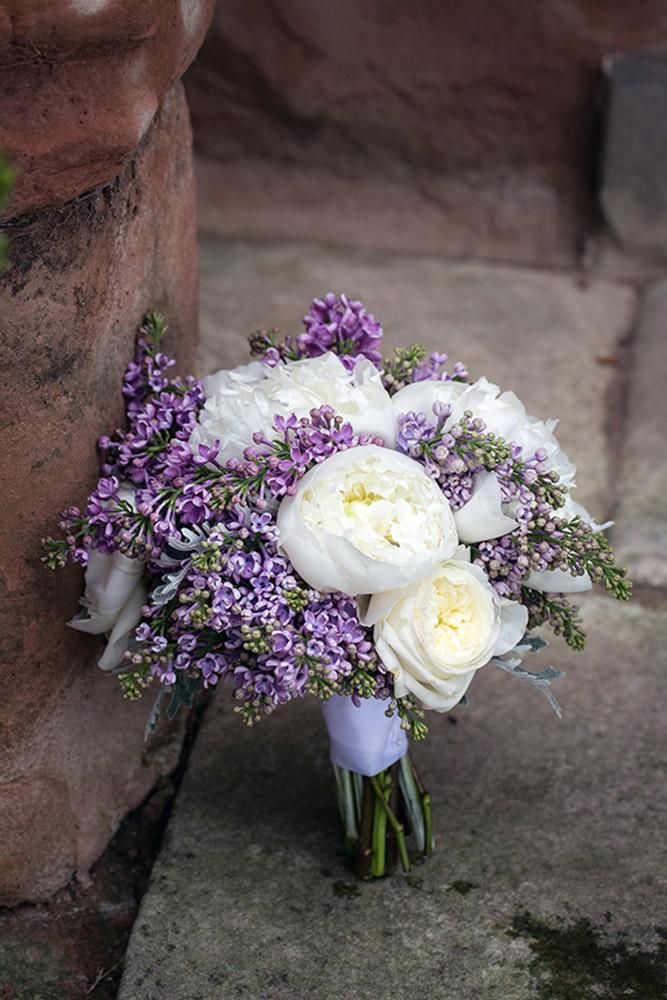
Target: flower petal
x=125 y=625
x=482 y=517
x=513 y=622
x=110 y=579
x=558 y=581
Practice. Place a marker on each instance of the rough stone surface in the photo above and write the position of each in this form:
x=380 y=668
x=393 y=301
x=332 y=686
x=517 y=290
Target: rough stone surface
x=550 y=337
x=634 y=189
x=81 y=82
x=80 y=279
x=548 y=872
x=640 y=535
x=404 y=125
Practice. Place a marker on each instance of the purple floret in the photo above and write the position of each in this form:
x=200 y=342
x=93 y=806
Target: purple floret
x=336 y=323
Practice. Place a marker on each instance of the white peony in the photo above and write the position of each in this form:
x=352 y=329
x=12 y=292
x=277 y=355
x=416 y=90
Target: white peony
x=113 y=599
x=364 y=521
x=434 y=634
x=503 y=413
x=245 y=400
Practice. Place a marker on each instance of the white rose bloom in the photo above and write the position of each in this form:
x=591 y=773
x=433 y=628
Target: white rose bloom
x=245 y=400
x=113 y=599
x=364 y=521
x=503 y=413
x=435 y=634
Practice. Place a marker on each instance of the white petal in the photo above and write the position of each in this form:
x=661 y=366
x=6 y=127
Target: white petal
x=572 y=509
x=482 y=517
x=419 y=397
x=513 y=622
x=558 y=581
x=110 y=579
x=120 y=634
x=227 y=378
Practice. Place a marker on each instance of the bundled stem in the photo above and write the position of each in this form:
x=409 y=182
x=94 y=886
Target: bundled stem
x=390 y=807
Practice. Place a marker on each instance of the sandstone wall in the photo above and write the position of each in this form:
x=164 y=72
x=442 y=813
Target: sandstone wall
x=109 y=234
x=463 y=127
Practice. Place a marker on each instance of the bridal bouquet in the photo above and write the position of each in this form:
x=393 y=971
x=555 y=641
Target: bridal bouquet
x=324 y=522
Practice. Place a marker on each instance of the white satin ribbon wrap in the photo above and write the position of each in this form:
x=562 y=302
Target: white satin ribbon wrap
x=361 y=737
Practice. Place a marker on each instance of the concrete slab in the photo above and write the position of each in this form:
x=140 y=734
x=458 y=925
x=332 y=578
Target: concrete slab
x=548 y=880
x=551 y=337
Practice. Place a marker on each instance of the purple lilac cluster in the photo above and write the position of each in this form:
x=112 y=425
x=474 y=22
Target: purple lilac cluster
x=454 y=453
x=273 y=468
x=241 y=614
x=441 y=451
x=336 y=323
x=433 y=369
x=536 y=544
x=333 y=323
x=161 y=415
x=147 y=470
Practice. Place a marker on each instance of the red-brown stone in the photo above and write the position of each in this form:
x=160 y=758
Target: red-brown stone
x=467 y=128
x=81 y=277
x=80 y=84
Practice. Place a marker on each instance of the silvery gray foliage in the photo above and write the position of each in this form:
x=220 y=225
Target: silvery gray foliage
x=541 y=680
x=179 y=553
x=156 y=712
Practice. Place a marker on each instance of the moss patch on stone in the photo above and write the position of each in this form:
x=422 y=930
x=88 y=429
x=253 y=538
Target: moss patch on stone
x=573 y=961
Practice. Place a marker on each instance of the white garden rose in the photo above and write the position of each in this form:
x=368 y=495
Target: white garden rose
x=365 y=521
x=245 y=400
x=112 y=602
x=434 y=634
x=503 y=413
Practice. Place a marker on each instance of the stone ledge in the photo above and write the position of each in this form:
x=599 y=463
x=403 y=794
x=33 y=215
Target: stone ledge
x=561 y=820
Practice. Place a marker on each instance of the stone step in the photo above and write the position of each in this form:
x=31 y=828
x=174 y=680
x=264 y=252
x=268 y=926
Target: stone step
x=548 y=860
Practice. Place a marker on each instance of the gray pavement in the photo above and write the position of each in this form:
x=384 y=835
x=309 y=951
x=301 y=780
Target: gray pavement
x=548 y=880
x=544 y=828
x=641 y=529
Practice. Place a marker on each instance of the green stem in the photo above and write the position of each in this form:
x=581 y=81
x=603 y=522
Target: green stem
x=428 y=824
x=381 y=798
x=378 y=860
x=364 y=850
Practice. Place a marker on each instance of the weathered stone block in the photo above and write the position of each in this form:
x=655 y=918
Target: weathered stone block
x=80 y=279
x=634 y=189
x=463 y=128
x=81 y=82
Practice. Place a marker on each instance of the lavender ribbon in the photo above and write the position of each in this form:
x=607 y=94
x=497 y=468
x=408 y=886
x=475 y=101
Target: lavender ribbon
x=361 y=737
